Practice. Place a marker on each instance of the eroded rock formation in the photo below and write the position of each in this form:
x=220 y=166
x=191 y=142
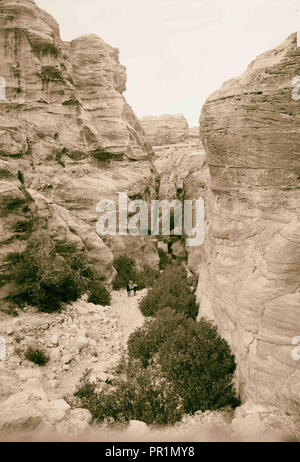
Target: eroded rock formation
x=67 y=128
x=250 y=265
x=182 y=174
x=166 y=129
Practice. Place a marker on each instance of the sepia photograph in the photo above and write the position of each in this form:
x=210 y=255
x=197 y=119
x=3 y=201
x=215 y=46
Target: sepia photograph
x=149 y=224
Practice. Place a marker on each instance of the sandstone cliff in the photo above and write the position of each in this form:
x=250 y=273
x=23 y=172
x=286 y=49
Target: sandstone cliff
x=67 y=128
x=250 y=265
x=181 y=171
x=166 y=129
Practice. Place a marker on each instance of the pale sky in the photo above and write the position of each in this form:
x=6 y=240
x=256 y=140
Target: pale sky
x=179 y=51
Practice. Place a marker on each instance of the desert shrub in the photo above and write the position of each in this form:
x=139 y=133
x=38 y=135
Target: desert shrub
x=145 y=341
x=163 y=259
x=192 y=356
x=126 y=270
x=11 y=205
x=200 y=365
x=51 y=74
x=36 y=356
x=45 y=49
x=175 y=366
x=87 y=273
x=44 y=278
x=146 y=277
x=98 y=294
x=71 y=102
x=172 y=289
x=140 y=394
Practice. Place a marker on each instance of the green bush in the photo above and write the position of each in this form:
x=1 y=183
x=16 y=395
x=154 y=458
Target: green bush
x=146 y=278
x=140 y=394
x=36 y=356
x=45 y=49
x=172 y=289
x=191 y=355
x=44 y=278
x=126 y=270
x=98 y=294
x=175 y=366
x=51 y=74
x=145 y=341
x=164 y=259
x=200 y=365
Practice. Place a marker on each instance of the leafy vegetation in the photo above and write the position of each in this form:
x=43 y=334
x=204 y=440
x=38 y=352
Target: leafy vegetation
x=98 y=294
x=126 y=270
x=42 y=49
x=172 y=289
x=175 y=366
x=51 y=74
x=71 y=102
x=164 y=259
x=44 y=278
x=36 y=356
x=138 y=394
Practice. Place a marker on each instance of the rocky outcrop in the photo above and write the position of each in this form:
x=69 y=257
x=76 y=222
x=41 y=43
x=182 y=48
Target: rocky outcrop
x=166 y=129
x=250 y=264
x=67 y=128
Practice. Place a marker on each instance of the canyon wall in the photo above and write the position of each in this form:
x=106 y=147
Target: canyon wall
x=181 y=172
x=250 y=264
x=67 y=129
x=166 y=129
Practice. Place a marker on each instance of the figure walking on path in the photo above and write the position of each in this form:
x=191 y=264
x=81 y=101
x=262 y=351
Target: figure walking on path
x=131 y=287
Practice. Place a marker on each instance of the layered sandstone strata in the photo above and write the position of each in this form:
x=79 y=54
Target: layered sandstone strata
x=67 y=127
x=181 y=173
x=250 y=264
x=166 y=129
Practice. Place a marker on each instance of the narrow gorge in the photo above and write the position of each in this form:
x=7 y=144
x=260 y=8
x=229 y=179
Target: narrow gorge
x=68 y=139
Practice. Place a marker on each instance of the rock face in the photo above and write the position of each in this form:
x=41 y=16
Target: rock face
x=67 y=128
x=166 y=129
x=182 y=173
x=250 y=265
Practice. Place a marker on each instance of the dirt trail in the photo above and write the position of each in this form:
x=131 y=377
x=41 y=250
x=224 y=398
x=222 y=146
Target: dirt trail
x=127 y=312
x=83 y=337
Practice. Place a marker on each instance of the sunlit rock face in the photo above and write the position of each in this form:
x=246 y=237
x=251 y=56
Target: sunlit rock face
x=166 y=129
x=250 y=266
x=66 y=125
x=100 y=81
